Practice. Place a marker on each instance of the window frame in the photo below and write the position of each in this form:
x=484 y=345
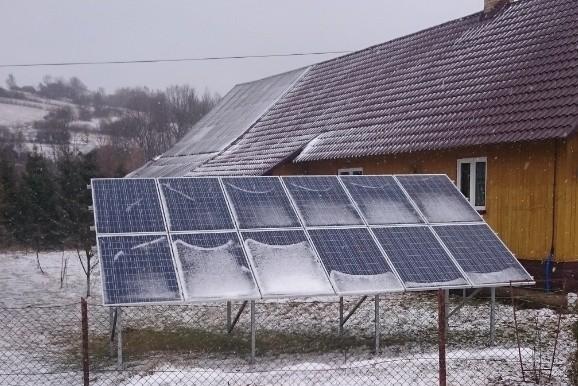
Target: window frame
x=349 y=171
x=472 y=162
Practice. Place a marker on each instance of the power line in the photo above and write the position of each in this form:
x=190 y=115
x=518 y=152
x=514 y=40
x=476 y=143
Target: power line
x=143 y=61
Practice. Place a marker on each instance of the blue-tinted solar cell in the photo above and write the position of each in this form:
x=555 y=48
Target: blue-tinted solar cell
x=354 y=261
x=260 y=202
x=195 y=204
x=481 y=254
x=438 y=199
x=213 y=266
x=419 y=258
x=285 y=264
x=127 y=206
x=137 y=269
x=381 y=200
x=322 y=201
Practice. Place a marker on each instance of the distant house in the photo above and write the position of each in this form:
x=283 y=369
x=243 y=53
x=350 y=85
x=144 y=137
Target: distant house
x=490 y=99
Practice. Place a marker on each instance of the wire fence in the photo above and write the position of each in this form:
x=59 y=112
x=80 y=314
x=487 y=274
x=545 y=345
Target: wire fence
x=294 y=342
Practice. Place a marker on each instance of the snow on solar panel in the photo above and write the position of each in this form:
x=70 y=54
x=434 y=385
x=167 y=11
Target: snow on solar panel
x=419 y=258
x=481 y=254
x=260 y=202
x=127 y=206
x=195 y=204
x=322 y=201
x=285 y=264
x=213 y=266
x=354 y=261
x=381 y=200
x=438 y=199
x=137 y=269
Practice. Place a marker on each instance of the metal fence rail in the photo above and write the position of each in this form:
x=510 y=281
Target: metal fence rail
x=395 y=340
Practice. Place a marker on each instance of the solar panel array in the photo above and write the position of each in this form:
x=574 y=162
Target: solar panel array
x=208 y=238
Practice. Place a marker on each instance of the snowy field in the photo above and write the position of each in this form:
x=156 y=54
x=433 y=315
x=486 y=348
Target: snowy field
x=15 y=115
x=297 y=341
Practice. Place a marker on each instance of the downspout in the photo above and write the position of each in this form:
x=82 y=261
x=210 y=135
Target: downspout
x=549 y=266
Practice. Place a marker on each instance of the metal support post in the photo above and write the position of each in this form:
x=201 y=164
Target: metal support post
x=341 y=315
x=377 y=325
x=112 y=325
x=493 y=316
x=252 y=361
x=119 y=362
x=442 y=323
x=350 y=313
x=237 y=316
x=228 y=316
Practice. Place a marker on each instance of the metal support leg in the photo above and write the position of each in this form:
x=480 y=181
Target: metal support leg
x=377 y=325
x=234 y=322
x=252 y=360
x=228 y=316
x=341 y=315
x=493 y=316
x=119 y=361
x=350 y=313
x=111 y=324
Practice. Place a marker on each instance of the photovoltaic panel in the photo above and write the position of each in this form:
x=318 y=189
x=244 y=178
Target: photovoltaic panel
x=381 y=200
x=213 y=266
x=438 y=199
x=354 y=261
x=481 y=254
x=419 y=258
x=285 y=264
x=322 y=201
x=260 y=202
x=127 y=206
x=195 y=204
x=137 y=269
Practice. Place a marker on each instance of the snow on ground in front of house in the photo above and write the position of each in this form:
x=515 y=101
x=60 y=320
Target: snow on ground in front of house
x=23 y=284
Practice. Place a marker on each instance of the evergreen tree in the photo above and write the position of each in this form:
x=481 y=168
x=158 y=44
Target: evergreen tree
x=8 y=193
x=39 y=214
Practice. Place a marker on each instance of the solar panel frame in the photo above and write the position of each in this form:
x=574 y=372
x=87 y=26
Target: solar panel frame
x=246 y=260
x=210 y=227
x=517 y=264
x=316 y=243
x=96 y=208
x=301 y=212
x=152 y=303
x=410 y=204
x=451 y=259
x=233 y=206
x=478 y=217
x=258 y=279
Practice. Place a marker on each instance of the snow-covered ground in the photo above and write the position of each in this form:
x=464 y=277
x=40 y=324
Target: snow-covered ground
x=47 y=340
x=15 y=115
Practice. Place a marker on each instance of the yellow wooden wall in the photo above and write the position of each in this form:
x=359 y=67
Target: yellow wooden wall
x=520 y=186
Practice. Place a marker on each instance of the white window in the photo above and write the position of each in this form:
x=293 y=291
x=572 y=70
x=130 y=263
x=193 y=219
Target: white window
x=350 y=172
x=472 y=174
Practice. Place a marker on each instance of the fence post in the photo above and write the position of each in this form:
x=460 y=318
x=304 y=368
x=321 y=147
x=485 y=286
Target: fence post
x=85 y=361
x=442 y=336
x=229 y=317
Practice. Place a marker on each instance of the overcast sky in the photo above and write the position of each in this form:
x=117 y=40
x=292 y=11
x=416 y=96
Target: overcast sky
x=35 y=31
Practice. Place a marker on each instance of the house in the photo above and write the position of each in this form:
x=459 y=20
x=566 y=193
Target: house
x=490 y=100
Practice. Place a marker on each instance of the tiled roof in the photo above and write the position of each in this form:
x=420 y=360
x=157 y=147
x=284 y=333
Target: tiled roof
x=477 y=80
x=232 y=116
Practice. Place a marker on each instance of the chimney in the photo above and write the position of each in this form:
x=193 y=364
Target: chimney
x=491 y=6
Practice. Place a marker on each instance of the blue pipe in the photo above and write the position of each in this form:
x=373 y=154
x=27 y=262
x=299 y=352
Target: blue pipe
x=548 y=275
